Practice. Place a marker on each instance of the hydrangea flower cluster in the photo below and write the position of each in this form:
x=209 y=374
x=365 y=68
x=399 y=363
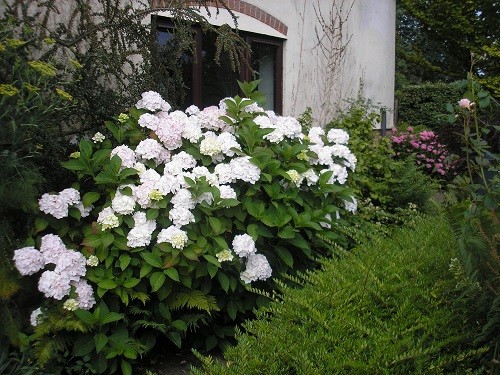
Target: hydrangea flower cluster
x=429 y=152
x=58 y=204
x=257 y=265
x=66 y=272
x=181 y=152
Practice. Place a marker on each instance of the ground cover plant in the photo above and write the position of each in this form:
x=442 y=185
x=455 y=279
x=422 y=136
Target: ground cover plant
x=173 y=217
x=393 y=305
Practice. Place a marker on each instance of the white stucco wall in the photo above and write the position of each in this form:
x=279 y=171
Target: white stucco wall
x=308 y=81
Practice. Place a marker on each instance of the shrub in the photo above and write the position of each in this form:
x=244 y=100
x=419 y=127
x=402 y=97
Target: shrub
x=390 y=306
x=374 y=169
x=169 y=224
x=429 y=153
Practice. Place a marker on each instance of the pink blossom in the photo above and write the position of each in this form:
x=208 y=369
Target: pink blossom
x=464 y=103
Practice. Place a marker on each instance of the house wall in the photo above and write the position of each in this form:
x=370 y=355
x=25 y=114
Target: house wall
x=314 y=74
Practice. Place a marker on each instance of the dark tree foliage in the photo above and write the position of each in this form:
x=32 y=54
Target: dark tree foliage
x=436 y=39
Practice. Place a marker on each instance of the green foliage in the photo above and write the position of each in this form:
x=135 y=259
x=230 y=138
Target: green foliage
x=437 y=38
x=474 y=213
x=374 y=169
x=390 y=306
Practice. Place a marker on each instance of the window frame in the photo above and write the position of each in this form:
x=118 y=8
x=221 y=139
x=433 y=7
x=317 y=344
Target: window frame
x=245 y=74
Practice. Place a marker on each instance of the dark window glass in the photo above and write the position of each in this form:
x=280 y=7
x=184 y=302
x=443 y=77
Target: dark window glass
x=206 y=82
x=217 y=81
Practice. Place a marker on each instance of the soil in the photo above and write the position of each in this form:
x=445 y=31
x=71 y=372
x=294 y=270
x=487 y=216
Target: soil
x=175 y=364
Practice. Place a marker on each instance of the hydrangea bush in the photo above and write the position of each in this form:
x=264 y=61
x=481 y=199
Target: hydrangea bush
x=174 y=218
x=429 y=153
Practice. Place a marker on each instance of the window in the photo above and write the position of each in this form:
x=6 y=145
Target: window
x=206 y=83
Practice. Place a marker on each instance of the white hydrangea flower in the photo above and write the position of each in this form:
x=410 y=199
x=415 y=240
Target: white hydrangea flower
x=149 y=121
x=70 y=196
x=210 y=145
x=290 y=127
x=209 y=118
x=228 y=142
x=243 y=169
x=108 y=219
x=174 y=236
x=192 y=131
x=148 y=149
x=315 y=134
x=224 y=173
x=170 y=131
x=224 y=256
x=85 y=294
x=28 y=260
x=92 y=261
x=52 y=248
x=192 y=110
x=98 y=137
x=70 y=304
x=264 y=122
x=257 y=268
x=152 y=101
x=140 y=234
x=311 y=177
x=53 y=204
x=351 y=206
x=181 y=216
x=123 y=204
x=339 y=174
x=198 y=172
x=126 y=154
x=36 y=317
x=227 y=192
x=243 y=245
x=55 y=285
x=338 y=136
x=183 y=199
x=295 y=177
x=71 y=264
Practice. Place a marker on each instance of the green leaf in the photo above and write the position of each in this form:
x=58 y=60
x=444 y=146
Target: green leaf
x=175 y=338
x=120 y=242
x=107 y=284
x=286 y=232
x=224 y=281
x=107 y=238
x=40 y=224
x=130 y=283
x=212 y=269
x=232 y=310
x=90 y=198
x=152 y=259
x=126 y=367
x=180 y=325
x=100 y=341
x=157 y=280
x=145 y=269
x=215 y=224
x=93 y=240
x=85 y=149
x=110 y=317
x=85 y=316
x=210 y=342
x=83 y=345
x=285 y=255
x=73 y=165
x=124 y=261
x=212 y=259
x=172 y=273
x=152 y=213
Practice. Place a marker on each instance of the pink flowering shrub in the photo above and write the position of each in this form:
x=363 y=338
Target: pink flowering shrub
x=173 y=217
x=429 y=153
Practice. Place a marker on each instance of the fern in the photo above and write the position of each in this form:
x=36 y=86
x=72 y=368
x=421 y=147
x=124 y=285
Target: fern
x=193 y=299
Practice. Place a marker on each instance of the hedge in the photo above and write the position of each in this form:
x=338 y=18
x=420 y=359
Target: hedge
x=389 y=307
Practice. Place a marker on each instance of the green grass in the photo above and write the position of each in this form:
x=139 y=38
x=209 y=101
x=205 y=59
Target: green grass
x=388 y=307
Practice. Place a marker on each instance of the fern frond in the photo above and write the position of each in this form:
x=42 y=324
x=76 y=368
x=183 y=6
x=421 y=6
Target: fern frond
x=193 y=321
x=148 y=324
x=193 y=299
